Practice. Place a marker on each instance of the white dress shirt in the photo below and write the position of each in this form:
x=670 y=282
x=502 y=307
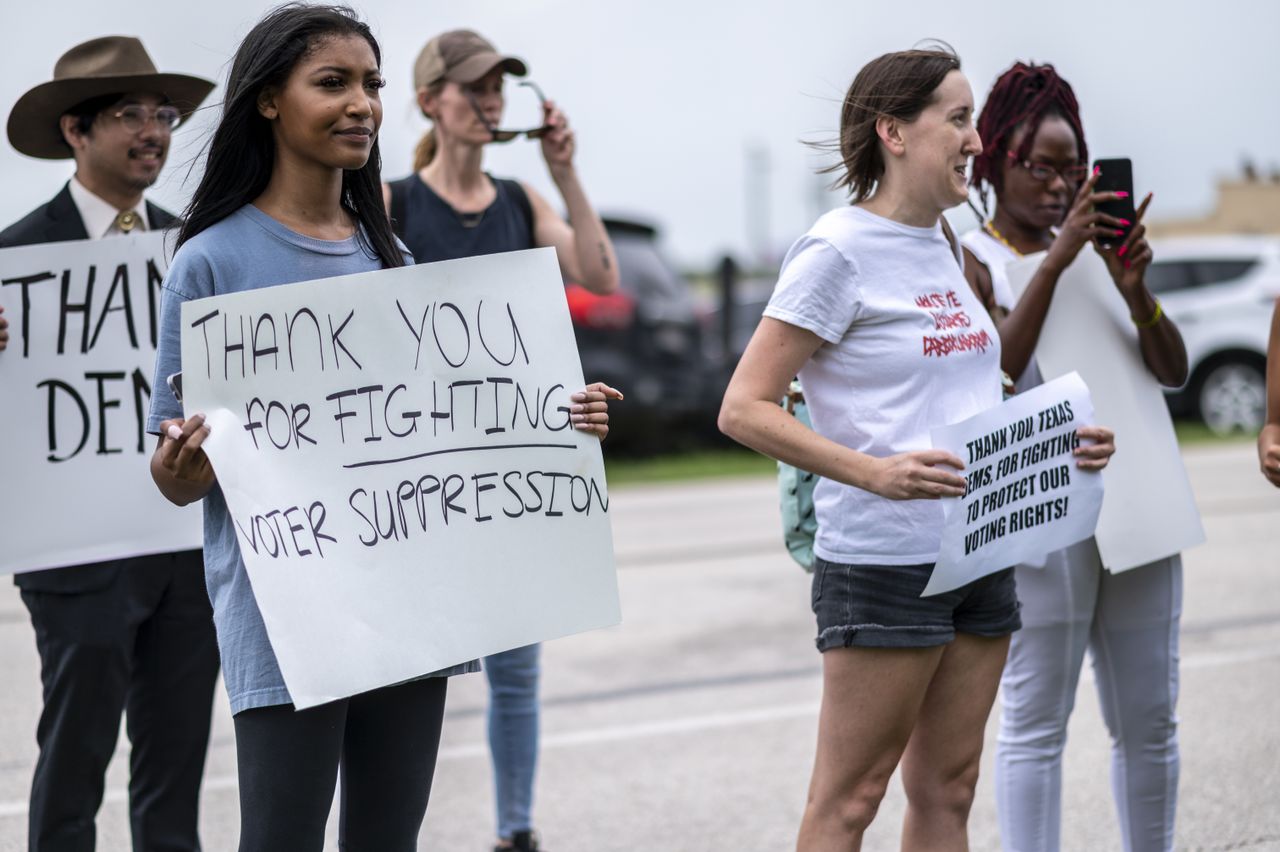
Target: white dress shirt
x=99 y=216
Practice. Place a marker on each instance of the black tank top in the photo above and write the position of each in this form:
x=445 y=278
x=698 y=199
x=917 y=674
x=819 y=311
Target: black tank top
x=433 y=230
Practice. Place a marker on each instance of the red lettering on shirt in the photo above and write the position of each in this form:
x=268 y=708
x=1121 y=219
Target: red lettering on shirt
x=945 y=311
x=943 y=320
x=950 y=344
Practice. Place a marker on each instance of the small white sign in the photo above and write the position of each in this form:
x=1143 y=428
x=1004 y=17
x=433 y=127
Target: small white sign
x=395 y=448
x=75 y=382
x=1025 y=497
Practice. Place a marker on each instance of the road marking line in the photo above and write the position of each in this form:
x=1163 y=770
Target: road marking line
x=617 y=733
x=679 y=725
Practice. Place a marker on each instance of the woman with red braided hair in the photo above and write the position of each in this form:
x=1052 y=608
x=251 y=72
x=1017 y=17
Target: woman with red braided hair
x=1034 y=160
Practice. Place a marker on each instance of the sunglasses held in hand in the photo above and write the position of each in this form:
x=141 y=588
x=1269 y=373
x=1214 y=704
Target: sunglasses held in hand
x=507 y=135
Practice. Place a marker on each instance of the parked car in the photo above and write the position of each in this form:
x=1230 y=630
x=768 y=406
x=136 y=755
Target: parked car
x=647 y=341
x=1220 y=291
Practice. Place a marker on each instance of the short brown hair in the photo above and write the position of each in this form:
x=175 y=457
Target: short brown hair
x=899 y=85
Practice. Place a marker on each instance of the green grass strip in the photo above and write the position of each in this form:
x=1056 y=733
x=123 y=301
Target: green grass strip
x=699 y=464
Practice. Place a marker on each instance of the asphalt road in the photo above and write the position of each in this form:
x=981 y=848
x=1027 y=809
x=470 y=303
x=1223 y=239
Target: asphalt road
x=692 y=726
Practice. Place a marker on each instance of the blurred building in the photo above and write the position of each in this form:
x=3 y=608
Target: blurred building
x=1249 y=204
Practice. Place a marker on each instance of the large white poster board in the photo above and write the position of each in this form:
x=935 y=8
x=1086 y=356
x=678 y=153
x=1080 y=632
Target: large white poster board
x=1149 y=511
x=1024 y=496
x=75 y=387
x=396 y=452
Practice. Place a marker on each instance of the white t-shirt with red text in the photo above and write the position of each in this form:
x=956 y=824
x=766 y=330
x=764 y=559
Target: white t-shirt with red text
x=908 y=346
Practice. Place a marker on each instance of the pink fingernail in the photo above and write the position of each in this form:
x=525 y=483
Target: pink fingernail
x=1097 y=171
x=1122 y=194
x=1125 y=222
x=174 y=432
x=1123 y=249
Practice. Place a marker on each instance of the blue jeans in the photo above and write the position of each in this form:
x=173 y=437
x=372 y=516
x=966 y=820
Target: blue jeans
x=513 y=734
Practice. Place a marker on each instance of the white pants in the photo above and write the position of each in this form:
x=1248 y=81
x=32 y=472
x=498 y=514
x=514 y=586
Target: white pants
x=1129 y=622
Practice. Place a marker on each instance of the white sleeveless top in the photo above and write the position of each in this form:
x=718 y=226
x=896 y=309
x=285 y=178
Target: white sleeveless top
x=995 y=255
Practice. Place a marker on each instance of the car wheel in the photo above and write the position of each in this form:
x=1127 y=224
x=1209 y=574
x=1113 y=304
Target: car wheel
x=1233 y=396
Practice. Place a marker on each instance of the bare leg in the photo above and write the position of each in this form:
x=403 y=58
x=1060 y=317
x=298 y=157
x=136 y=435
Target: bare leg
x=870 y=698
x=940 y=766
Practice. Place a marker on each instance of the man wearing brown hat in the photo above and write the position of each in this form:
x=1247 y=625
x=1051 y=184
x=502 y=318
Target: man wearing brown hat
x=129 y=635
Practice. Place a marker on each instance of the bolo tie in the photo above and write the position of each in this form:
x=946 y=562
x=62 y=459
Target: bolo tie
x=127 y=220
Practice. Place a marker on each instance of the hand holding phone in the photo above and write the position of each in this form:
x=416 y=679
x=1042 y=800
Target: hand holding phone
x=1116 y=176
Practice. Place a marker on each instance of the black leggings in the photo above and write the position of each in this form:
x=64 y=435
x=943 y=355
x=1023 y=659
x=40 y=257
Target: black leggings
x=386 y=742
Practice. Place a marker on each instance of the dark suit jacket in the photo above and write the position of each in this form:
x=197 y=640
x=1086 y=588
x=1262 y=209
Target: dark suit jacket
x=57 y=221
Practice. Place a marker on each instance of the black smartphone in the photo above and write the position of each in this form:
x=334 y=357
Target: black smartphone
x=1116 y=176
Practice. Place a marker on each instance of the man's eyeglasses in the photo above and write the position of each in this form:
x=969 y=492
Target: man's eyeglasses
x=135 y=118
x=508 y=135
x=1045 y=173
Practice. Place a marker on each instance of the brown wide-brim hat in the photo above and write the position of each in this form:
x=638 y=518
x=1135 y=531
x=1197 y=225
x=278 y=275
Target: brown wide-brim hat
x=112 y=65
x=462 y=56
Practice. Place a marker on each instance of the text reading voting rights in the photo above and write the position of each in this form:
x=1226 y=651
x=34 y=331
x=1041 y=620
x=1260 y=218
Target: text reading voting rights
x=1003 y=492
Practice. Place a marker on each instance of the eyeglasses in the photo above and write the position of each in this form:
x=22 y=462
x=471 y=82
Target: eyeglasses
x=508 y=135
x=1045 y=173
x=135 y=118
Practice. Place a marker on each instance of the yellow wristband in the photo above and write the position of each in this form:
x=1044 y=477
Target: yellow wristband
x=1155 y=318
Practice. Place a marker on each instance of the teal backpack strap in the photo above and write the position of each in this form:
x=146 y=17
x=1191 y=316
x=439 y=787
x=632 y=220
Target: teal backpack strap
x=795 y=493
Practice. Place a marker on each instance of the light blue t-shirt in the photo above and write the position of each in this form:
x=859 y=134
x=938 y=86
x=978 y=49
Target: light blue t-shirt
x=245 y=251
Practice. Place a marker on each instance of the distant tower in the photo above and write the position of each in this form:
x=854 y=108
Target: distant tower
x=758 y=207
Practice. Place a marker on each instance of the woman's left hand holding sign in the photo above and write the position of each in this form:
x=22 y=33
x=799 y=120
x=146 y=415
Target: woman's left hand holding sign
x=180 y=466
x=1097 y=447
x=4 y=331
x=590 y=409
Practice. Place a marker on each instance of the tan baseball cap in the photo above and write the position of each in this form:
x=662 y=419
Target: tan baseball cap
x=462 y=56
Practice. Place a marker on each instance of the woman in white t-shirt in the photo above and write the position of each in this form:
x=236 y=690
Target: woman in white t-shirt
x=872 y=311
x=1036 y=161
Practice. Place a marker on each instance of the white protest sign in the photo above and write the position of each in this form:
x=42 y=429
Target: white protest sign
x=1150 y=511
x=1024 y=497
x=395 y=448
x=76 y=385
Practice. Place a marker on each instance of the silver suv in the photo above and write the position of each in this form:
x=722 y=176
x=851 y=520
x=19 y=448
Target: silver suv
x=1220 y=291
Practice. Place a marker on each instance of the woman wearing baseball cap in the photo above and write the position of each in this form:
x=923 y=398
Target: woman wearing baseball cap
x=451 y=208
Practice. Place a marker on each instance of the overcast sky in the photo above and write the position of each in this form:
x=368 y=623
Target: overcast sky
x=691 y=113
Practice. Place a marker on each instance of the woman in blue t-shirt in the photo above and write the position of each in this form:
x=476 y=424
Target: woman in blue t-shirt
x=450 y=208
x=292 y=192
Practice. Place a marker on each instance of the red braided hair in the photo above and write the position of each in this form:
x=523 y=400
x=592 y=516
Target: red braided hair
x=1021 y=97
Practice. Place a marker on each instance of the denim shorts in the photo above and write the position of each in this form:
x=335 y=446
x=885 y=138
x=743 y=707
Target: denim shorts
x=879 y=606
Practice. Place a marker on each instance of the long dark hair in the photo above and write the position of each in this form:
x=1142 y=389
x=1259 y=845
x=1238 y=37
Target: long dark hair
x=242 y=151
x=899 y=85
x=1023 y=96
